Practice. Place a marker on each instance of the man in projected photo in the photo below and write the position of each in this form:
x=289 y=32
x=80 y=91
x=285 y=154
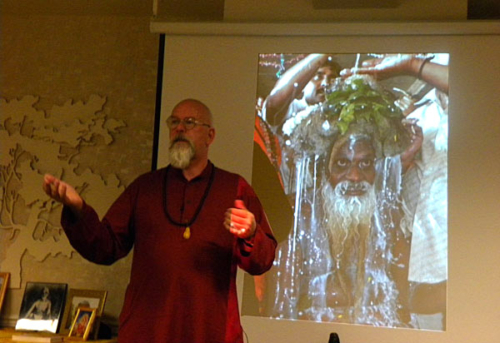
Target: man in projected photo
x=352 y=259
x=300 y=87
x=425 y=188
x=191 y=225
x=344 y=259
x=366 y=278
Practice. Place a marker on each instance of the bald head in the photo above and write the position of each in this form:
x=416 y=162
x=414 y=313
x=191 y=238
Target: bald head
x=191 y=134
x=198 y=109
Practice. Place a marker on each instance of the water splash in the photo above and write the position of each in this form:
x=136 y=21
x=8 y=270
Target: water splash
x=306 y=274
x=311 y=281
x=356 y=64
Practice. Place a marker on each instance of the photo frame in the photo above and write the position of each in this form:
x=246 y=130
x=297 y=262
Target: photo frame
x=42 y=306
x=298 y=162
x=83 y=298
x=83 y=323
x=4 y=283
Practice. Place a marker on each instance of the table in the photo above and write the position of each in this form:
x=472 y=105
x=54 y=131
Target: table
x=6 y=335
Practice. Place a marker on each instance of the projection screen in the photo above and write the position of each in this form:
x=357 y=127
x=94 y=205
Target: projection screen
x=234 y=68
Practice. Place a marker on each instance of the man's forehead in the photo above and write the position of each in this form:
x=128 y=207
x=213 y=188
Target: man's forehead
x=189 y=109
x=362 y=147
x=325 y=70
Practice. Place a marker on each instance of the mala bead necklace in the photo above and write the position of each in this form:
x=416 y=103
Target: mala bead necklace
x=187 y=226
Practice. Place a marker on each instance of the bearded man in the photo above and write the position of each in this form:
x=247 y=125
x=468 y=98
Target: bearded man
x=349 y=204
x=191 y=225
x=346 y=260
x=366 y=281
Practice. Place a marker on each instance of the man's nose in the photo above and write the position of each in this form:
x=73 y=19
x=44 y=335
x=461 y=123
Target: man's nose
x=354 y=174
x=325 y=81
x=181 y=127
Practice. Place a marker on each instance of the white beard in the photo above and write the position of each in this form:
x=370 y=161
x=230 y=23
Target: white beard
x=181 y=155
x=348 y=218
x=348 y=223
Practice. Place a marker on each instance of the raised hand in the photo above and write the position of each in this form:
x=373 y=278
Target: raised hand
x=416 y=139
x=386 y=67
x=62 y=192
x=239 y=221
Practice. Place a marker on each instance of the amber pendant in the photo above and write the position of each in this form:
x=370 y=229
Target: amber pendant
x=187 y=233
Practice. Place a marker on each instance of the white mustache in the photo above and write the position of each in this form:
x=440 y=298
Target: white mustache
x=179 y=139
x=349 y=186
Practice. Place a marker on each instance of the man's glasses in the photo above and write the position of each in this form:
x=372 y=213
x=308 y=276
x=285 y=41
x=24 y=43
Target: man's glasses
x=189 y=123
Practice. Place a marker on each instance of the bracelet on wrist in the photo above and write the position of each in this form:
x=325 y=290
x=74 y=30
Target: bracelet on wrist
x=424 y=62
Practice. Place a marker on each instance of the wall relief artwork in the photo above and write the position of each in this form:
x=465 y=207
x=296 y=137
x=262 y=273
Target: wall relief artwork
x=35 y=142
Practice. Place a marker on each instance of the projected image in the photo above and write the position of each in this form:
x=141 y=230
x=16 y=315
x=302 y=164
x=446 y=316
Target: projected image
x=358 y=147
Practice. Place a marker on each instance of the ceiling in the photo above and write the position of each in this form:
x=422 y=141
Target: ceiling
x=78 y=7
x=188 y=10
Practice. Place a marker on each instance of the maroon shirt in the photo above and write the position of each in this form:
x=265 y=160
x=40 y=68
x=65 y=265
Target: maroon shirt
x=181 y=290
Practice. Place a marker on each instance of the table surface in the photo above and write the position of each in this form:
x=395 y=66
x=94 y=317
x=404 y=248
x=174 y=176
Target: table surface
x=6 y=335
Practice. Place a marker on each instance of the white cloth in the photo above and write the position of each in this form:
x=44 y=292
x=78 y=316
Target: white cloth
x=293 y=117
x=429 y=244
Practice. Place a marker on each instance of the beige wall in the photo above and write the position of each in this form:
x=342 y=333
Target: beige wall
x=304 y=11
x=71 y=57
x=111 y=52
x=474 y=123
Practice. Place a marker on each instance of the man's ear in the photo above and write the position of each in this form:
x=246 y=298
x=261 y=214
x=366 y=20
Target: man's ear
x=211 y=136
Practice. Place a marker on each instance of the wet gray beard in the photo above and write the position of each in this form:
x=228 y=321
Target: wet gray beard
x=347 y=218
x=181 y=155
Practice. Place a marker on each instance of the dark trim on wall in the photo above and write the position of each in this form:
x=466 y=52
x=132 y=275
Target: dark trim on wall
x=159 y=82
x=483 y=9
x=193 y=10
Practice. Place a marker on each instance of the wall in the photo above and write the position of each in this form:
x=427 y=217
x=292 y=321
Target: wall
x=231 y=49
x=60 y=52
x=78 y=66
x=304 y=11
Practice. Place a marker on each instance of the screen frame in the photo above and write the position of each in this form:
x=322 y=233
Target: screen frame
x=471 y=315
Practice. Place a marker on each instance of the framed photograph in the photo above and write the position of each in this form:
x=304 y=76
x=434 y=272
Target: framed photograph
x=4 y=283
x=42 y=306
x=82 y=324
x=83 y=298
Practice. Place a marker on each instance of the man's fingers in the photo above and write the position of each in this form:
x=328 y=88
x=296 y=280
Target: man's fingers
x=62 y=190
x=239 y=221
x=235 y=227
x=47 y=184
x=240 y=217
x=239 y=204
x=54 y=187
x=46 y=188
x=372 y=62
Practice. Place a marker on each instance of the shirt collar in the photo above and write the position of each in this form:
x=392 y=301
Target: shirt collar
x=204 y=176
